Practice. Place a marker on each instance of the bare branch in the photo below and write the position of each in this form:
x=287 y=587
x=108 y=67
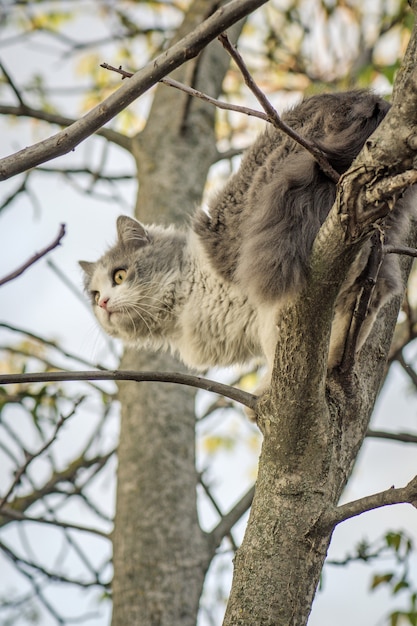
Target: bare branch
x=217 y=509
x=68 y=474
x=32 y=578
x=227 y=522
x=96 y=175
x=12 y=85
x=237 y=395
x=390 y=187
x=185 y=49
x=35 y=257
x=403 y=495
x=59 y=120
x=195 y=94
x=20 y=517
x=407 y=368
x=403 y=437
x=50 y=344
x=400 y=250
x=14 y=194
x=48 y=574
x=30 y=458
x=272 y=114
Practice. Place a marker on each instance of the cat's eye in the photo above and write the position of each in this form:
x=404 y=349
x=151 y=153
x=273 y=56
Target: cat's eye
x=119 y=276
x=96 y=296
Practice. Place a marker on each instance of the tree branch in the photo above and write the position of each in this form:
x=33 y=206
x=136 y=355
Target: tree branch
x=50 y=344
x=110 y=134
x=68 y=474
x=403 y=495
x=227 y=522
x=407 y=368
x=12 y=84
x=20 y=517
x=29 y=458
x=194 y=93
x=403 y=437
x=185 y=49
x=35 y=257
x=237 y=395
x=29 y=565
x=272 y=113
x=217 y=509
x=400 y=250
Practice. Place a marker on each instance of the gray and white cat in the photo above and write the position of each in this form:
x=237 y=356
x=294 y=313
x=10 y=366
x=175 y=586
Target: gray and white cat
x=211 y=293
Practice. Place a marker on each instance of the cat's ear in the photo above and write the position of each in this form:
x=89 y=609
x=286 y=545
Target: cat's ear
x=131 y=231
x=87 y=267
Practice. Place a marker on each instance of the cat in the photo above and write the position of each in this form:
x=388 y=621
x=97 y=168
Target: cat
x=211 y=293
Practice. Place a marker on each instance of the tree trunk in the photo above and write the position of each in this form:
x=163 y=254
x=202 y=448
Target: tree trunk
x=313 y=422
x=160 y=553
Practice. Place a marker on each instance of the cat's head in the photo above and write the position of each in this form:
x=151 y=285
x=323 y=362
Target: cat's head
x=132 y=285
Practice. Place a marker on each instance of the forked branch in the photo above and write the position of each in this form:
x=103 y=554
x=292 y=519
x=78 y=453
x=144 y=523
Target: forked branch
x=270 y=114
x=184 y=50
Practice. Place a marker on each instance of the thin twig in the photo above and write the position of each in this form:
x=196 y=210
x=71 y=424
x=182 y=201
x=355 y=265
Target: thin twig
x=33 y=259
x=400 y=250
x=20 y=517
x=272 y=114
x=29 y=458
x=227 y=522
x=217 y=509
x=50 y=344
x=407 y=368
x=237 y=395
x=12 y=85
x=119 y=139
x=403 y=437
x=181 y=51
x=407 y=494
x=194 y=93
x=48 y=574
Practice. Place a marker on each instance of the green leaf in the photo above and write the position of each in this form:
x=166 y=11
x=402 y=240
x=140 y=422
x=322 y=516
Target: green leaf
x=394 y=618
x=393 y=540
x=380 y=579
x=401 y=584
x=412 y=618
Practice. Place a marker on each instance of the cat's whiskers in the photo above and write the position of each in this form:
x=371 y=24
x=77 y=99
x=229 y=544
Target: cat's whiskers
x=152 y=301
x=149 y=300
x=143 y=312
x=127 y=307
x=126 y=310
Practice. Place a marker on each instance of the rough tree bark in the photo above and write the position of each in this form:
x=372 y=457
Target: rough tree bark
x=160 y=553
x=314 y=424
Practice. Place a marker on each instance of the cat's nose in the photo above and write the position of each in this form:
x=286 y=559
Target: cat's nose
x=103 y=303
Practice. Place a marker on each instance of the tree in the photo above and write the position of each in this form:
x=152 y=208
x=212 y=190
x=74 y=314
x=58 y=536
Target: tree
x=309 y=446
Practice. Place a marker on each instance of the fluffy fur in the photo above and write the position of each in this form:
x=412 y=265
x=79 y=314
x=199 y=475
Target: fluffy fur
x=211 y=293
